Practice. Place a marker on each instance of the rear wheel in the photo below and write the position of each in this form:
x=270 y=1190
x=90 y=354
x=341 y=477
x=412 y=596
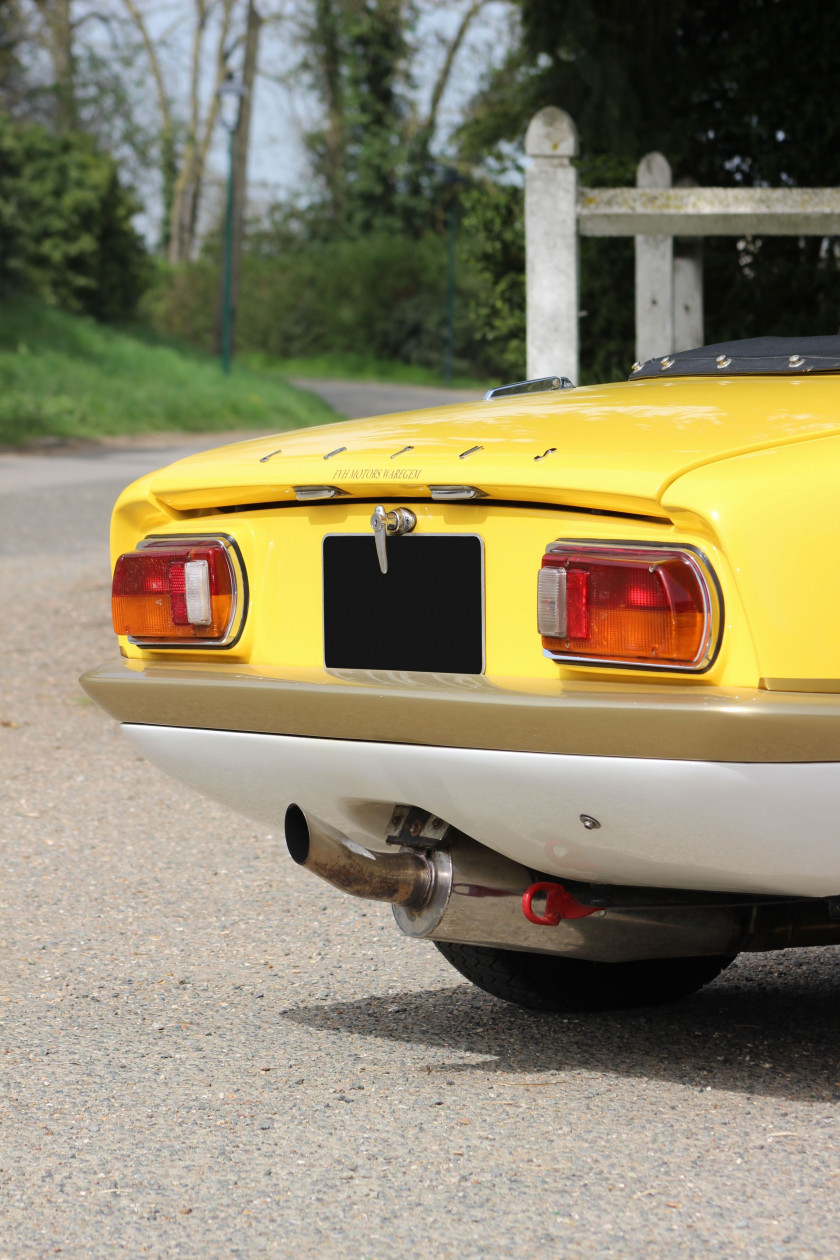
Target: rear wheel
x=546 y=982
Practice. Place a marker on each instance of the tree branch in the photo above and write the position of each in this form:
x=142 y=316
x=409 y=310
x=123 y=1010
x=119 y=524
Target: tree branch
x=448 y=62
x=154 y=61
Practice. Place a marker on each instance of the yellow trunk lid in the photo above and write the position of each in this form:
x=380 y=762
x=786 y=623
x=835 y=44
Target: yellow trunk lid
x=615 y=447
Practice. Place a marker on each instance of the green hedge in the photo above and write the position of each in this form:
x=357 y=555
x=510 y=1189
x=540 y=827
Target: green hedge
x=383 y=296
x=66 y=235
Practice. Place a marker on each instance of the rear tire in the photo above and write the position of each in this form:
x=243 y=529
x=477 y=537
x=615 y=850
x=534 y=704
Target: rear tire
x=547 y=982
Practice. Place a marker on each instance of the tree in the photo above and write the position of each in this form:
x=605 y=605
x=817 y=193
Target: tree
x=242 y=140
x=241 y=145
x=56 y=33
x=65 y=223
x=93 y=52
x=167 y=144
x=731 y=94
x=183 y=165
x=373 y=152
x=12 y=75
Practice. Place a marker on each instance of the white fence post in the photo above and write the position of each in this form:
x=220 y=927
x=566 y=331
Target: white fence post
x=688 y=287
x=668 y=225
x=551 y=245
x=654 y=272
x=688 y=293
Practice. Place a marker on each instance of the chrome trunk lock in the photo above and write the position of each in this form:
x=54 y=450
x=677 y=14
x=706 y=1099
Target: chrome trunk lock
x=385 y=524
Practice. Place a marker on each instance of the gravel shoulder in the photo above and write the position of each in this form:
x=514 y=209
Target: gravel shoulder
x=207 y=1053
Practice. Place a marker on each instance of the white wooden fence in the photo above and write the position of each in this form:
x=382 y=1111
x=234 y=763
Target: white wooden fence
x=669 y=280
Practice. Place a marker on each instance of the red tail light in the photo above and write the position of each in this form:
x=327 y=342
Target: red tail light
x=628 y=605
x=174 y=591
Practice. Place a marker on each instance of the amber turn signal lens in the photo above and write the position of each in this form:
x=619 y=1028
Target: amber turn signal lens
x=162 y=592
x=626 y=605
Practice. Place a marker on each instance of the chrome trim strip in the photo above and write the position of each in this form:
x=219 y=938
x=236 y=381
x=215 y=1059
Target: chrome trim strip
x=308 y=494
x=448 y=494
x=538 y=385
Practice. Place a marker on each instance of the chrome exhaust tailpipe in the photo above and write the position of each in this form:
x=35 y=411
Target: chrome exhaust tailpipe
x=472 y=895
x=404 y=879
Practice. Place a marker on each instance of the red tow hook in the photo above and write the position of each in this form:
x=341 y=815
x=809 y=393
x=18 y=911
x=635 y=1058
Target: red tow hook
x=559 y=905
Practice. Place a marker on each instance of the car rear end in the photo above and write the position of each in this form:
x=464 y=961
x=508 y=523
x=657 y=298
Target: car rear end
x=517 y=632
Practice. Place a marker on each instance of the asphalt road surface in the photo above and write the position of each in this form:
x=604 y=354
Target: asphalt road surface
x=206 y=1053
x=378 y=398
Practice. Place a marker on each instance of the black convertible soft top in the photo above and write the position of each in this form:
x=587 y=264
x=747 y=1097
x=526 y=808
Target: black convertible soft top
x=756 y=356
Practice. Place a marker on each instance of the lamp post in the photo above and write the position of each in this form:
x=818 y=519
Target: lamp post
x=230 y=94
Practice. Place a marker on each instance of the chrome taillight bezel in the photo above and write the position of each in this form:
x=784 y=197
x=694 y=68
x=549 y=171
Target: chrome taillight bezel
x=239 y=587
x=612 y=549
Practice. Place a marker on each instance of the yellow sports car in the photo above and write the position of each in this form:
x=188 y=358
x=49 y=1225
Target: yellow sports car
x=556 y=673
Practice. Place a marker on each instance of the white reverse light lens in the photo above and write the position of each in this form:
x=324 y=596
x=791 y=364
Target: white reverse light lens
x=197 y=592
x=551 y=603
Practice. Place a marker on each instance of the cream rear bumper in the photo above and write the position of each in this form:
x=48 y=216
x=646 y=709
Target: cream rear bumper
x=739 y=827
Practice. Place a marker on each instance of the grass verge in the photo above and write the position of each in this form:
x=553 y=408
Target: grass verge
x=68 y=377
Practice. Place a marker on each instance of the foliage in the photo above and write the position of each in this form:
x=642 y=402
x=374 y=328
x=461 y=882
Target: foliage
x=67 y=376
x=762 y=110
x=360 y=366
x=380 y=295
x=12 y=77
x=65 y=223
x=357 y=52
x=494 y=229
x=110 y=86
x=731 y=94
x=371 y=152
x=495 y=234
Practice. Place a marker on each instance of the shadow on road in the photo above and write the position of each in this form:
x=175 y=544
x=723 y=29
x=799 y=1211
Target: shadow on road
x=764 y=1028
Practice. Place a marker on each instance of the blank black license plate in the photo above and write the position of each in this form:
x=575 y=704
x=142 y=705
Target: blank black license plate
x=425 y=614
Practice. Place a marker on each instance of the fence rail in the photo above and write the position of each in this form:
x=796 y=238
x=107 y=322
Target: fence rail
x=667 y=223
x=709 y=211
